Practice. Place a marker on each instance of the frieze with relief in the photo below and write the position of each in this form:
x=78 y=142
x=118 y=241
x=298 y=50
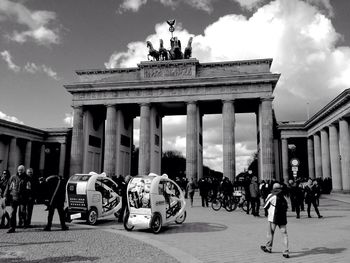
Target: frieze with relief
x=180 y=71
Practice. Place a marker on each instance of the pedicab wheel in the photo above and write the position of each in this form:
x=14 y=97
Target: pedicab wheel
x=92 y=216
x=156 y=223
x=181 y=218
x=127 y=226
x=216 y=204
x=245 y=206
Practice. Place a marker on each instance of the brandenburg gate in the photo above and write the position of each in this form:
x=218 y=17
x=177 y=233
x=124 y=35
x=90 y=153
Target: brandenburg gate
x=106 y=101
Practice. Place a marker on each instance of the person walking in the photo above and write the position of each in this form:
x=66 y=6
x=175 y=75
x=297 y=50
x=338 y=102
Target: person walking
x=191 y=187
x=254 y=196
x=277 y=206
x=311 y=195
x=56 y=187
x=16 y=194
x=31 y=191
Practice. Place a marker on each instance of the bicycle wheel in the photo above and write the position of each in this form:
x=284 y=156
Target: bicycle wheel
x=230 y=205
x=216 y=204
x=245 y=206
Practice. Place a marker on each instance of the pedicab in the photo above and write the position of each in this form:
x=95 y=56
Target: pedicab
x=153 y=202
x=91 y=197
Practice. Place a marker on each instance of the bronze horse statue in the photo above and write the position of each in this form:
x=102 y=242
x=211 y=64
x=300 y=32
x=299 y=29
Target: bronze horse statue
x=175 y=51
x=152 y=52
x=188 y=49
x=163 y=53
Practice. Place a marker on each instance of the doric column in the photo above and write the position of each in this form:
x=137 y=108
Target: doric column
x=229 y=157
x=76 y=155
x=266 y=139
x=62 y=159
x=285 y=160
x=344 y=136
x=144 y=148
x=310 y=157
x=334 y=153
x=191 y=141
x=110 y=141
x=13 y=156
x=326 y=163
x=318 y=159
x=28 y=154
x=42 y=160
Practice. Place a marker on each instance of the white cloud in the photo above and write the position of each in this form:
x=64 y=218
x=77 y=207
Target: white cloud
x=32 y=68
x=37 y=23
x=249 y=4
x=68 y=119
x=135 y=5
x=298 y=35
x=8 y=58
x=6 y=117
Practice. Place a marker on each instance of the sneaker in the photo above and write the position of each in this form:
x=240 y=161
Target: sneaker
x=285 y=255
x=320 y=216
x=11 y=230
x=265 y=249
x=65 y=228
x=47 y=229
x=298 y=216
x=309 y=216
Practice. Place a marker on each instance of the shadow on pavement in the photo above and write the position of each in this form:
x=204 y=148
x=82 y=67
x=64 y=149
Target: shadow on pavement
x=317 y=251
x=194 y=227
x=15 y=244
x=49 y=259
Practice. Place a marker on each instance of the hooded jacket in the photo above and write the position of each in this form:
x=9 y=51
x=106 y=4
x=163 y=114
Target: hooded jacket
x=277 y=207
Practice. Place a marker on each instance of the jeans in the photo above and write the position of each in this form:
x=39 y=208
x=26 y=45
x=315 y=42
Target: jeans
x=13 y=220
x=270 y=234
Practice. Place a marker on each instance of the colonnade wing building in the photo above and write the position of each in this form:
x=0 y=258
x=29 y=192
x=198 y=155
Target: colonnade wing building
x=322 y=143
x=105 y=102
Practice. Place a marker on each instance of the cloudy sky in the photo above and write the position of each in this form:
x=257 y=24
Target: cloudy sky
x=42 y=43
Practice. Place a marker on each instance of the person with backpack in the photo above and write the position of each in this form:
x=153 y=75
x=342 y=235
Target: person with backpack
x=277 y=206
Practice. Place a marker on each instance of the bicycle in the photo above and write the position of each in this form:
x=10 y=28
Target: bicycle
x=241 y=201
x=223 y=201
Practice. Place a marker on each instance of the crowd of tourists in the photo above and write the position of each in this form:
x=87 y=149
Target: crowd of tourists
x=22 y=190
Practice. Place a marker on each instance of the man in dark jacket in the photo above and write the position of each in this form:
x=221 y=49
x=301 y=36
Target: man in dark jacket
x=56 y=187
x=254 y=196
x=16 y=194
x=277 y=208
x=203 y=191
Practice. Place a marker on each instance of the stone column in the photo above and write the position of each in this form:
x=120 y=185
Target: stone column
x=191 y=141
x=285 y=160
x=77 y=149
x=344 y=136
x=62 y=159
x=144 y=148
x=13 y=157
x=110 y=141
x=266 y=139
x=335 y=161
x=310 y=157
x=42 y=160
x=28 y=154
x=326 y=167
x=228 y=120
x=318 y=159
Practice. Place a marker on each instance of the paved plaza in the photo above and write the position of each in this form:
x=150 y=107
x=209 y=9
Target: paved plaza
x=206 y=236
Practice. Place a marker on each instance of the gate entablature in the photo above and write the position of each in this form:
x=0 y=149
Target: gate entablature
x=172 y=81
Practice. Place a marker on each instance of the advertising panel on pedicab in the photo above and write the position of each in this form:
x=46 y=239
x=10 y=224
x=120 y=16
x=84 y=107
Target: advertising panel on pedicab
x=139 y=198
x=76 y=190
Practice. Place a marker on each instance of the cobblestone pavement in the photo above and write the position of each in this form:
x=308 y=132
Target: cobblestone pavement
x=206 y=236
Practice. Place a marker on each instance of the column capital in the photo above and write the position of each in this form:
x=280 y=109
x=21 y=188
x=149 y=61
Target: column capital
x=77 y=107
x=110 y=105
x=191 y=102
x=267 y=98
x=145 y=104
